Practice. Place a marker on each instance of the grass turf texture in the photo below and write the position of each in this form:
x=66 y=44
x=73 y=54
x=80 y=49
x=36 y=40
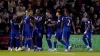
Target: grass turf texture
x=44 y=53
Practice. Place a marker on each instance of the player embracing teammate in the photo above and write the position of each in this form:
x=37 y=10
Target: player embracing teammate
x=38 y=30
x=14 y=33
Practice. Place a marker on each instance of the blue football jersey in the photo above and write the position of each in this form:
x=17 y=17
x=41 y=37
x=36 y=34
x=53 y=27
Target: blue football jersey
x=66 y=29
x=59 y=21
x=49 y=29
x=49 y=21
x=38 y=21
x=26 y=20
x=14 y=24
x=88 y=22
x=67 y=21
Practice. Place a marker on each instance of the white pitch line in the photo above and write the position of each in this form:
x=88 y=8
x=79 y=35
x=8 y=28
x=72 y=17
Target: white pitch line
x=61 y=53
x=65 y=53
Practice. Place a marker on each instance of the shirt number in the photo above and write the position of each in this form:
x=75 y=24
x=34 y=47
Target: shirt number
x=68 y=22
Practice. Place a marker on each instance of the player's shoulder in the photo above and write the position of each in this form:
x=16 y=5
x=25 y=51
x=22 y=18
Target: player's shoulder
x=67 y=17
x=61 y=17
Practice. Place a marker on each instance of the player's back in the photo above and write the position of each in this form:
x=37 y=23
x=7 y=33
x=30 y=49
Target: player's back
x=66 y=29
x=66 y=21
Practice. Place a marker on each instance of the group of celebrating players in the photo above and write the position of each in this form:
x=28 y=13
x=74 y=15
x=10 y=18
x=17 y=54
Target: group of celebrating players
x=32 y=27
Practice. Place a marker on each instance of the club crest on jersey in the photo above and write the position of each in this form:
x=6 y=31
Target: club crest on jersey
x=58 y=20
x=26 y=17
x=49 y=19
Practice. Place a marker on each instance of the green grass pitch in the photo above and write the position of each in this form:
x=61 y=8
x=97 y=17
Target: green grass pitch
x=44 y=53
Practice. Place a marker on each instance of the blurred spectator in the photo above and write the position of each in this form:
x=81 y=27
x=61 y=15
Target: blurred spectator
x=78 y=26
x=7 y=30
x=68 y=7
x=5 y=17
x=57 y=4
x=1 y=6
x=11 y=4
x=97 y=7
x=97 y=27
x=82 y=10
x=61 y=5
x=0 y=19
x=91 y=14
x=73 y=10
x=20 y=10
x=95 y=17
x=29 y=6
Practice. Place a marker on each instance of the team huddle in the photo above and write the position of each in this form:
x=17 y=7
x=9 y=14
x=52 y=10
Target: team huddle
x=32 y=27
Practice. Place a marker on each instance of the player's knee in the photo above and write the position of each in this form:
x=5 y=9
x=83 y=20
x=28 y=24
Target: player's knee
x=89 y=39
x=83 y=38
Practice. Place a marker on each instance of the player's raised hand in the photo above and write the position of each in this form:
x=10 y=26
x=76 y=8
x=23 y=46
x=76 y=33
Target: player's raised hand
x=74 y=32
x=85 y=32
x=22 y=22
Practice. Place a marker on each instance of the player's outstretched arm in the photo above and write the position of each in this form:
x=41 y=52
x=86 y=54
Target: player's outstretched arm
x=31 y=23
x=73 y=27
